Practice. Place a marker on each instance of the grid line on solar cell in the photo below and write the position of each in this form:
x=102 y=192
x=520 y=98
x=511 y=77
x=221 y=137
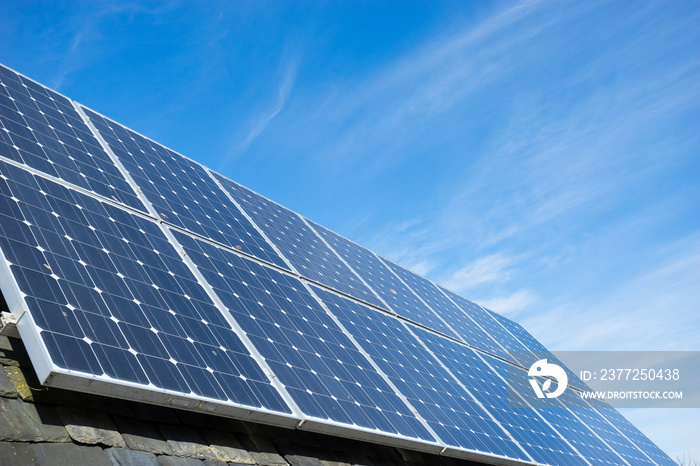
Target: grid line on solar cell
x=41 y=129
x=102 y=286
x=310 y=257
x=534 y=349
x=320 y=367
x=451 y=412
x=481 y=318
x=442 y=305
x=587 y=441
x=181 y=191
x=488 y=384
x=396 y=294
x=620 y=444
x=635 y=436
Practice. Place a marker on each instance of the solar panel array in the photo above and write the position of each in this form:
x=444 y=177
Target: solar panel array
x=138 y=273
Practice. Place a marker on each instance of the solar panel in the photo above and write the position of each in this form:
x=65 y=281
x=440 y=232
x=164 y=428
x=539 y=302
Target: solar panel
x=399 y=298
x=135 y=272
x=181 y=191
x=580 y=427
x=452 y=413
x=42 y=129
x=324 y=373
x=487 y=381
x=465 y=327
x=112 y=301
x=299 y=244
x=628 y=431
x=613 y=437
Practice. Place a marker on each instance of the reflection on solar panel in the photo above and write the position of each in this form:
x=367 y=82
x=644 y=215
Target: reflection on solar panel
x=135 y=272
x=398 y=297
x=42 y=129
x=302 y=247
x=440 y=303
x=111 y=299
x=181 y=191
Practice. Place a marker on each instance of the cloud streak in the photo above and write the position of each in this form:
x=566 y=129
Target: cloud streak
x=260 y=122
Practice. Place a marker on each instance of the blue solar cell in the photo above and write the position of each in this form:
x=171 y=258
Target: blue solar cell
x=449 y=410
x=182 y=192
x=485 y=321
x=391 y=289
x=448 y=310
x=534 y=349
x=42 y=129
x=628 y=431
x=322 y=370
x=111 y=296
x=595 y=420
x=489 y=387
x=298 y=243
x=570 y=422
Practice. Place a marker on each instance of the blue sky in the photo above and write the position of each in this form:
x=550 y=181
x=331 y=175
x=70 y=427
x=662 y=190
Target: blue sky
x=541 y=158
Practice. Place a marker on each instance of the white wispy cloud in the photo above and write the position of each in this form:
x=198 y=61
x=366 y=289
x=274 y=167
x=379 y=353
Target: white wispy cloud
x=495 y=267
x=652 y=310
x=259 y=123
x=86 y=40
x=388 y=109
x=510 y=305
x=669 y=427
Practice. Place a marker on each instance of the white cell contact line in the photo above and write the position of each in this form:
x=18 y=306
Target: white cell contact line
x=342 y=259
x=464 y=387
x=376 y=367
x=197 y=274
x=421 y=299
x=250 y=219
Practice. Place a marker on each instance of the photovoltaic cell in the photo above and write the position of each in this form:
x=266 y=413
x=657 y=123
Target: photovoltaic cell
x=574 y=430
x=617 y=442
x=112 y=299
x=320 y=367
x=634 y=435
x=449 y=410
x=483 y=319
x=535 y=350
x=182 y=192
x=42 y=129
x=448 y=310
x=489 y=387
x=392 y=290
x=298 y=243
